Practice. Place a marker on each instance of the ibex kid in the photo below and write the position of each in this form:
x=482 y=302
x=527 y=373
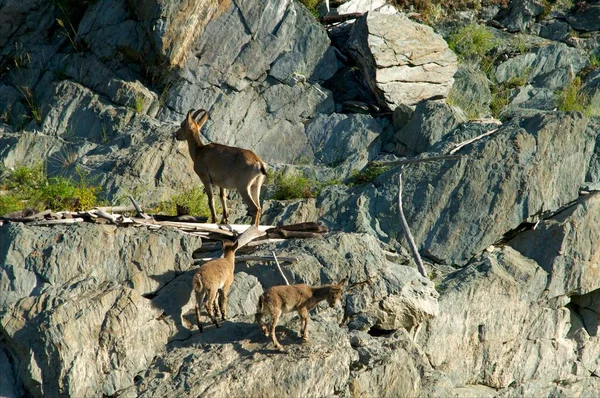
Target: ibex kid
x=279 y=300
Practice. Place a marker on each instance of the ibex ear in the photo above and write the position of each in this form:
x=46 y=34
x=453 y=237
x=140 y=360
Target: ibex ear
x=342 y=282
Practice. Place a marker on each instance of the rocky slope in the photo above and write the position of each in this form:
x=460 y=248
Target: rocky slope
x=509 y=229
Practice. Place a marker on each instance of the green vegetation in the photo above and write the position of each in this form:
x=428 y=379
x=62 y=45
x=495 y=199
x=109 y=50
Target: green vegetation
x=574 y=98
x=433 y=10
x=366 y=175
x=35 y=111
x=312 y=6
x=295 y=185
x=472 y=42
x=139 y=103
x=194 y=199
x=31 y=187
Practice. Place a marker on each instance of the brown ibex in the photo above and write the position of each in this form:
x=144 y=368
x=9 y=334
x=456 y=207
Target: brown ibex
x=279 y=300
x=216 y=276
x=224 y=166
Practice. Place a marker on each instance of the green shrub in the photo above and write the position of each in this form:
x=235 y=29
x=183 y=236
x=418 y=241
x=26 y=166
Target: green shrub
x=573 y=98
x=472 y=42
x=368 y=174
x=31 y=187
x=312 y=6
x=194 y=199
x=296 y=186
x=293 y=186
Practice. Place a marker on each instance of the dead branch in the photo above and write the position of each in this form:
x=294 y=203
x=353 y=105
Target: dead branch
x=115 y=209
x=57 y=222
x=409 y=236
x=458 y=146
x=138 y=209
x=333 y=19
x=413 y=160
x=279 y=268
x=242 y=259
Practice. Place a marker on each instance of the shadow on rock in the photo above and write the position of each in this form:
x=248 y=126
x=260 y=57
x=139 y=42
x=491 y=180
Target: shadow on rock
x=174 y=300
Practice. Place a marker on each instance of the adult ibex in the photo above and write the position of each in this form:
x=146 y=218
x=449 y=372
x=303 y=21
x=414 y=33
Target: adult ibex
x=279 y=300
x=216 y=276
x=224 y=166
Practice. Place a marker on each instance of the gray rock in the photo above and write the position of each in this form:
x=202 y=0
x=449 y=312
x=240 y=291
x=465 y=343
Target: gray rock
x=492 y=345
x=494 y=193
x=401 y=116
x=530 y=97
x=430 y=122
x=587 y=20
x=337 y=139
x=555 y=245
x=398 y=66
x=553 y=30
x=520 y=15
x=550 y=67
x=471 y=92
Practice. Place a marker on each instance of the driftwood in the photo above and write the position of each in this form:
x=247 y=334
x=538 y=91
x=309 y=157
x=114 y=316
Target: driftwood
x=242 y=259
x=300 y=230
x=57 y=222
x=138 y=209
x=409 y=237
x=458 y=146
x=280 y=270
x=335 y=19
x=413 y=160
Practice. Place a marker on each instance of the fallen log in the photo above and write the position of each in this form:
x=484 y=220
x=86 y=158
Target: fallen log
x=56 y=222
x=242 y=259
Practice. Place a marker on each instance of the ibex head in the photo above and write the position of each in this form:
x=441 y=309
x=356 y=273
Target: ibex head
x=191 y=127
x=336 y=293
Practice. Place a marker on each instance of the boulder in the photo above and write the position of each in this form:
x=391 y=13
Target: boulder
x=471 y=92
x=556 y=244
x=430 y=123
x=495 y=327
x=550 y=67
x=587 y=19
x=456 y=209
x=402 y=61
x=344 y=139
x=520 y=15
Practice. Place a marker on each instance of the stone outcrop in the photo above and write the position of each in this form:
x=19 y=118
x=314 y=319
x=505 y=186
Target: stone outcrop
x=403 y=62
x=509 y=306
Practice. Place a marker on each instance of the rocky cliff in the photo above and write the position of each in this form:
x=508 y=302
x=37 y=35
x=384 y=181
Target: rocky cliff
x=508 y=227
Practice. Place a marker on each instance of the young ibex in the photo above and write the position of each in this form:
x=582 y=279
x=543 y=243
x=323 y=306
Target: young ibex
x=279 y=300
x=224 y=166
x=216 y=276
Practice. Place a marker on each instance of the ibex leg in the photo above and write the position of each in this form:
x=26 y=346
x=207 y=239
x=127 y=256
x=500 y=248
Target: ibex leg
x=223 y=196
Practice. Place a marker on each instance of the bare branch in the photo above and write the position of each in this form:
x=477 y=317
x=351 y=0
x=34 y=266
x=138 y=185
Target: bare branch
x=409 y=237
x=414 y=160
x=467 y=142
x=279 y=268
x=138 y=209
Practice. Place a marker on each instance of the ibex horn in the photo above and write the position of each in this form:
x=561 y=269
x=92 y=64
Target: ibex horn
x=197 y=113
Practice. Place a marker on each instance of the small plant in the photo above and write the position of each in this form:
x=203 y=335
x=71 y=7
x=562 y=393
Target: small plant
x=31 y=187
x=34 y=110
x=194 y=199
x=139 y=103
x=574 y=98
x=312 y=6
x=367 y=175
x=293 y=186
x=472 y=42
